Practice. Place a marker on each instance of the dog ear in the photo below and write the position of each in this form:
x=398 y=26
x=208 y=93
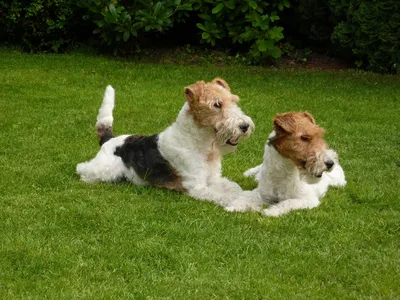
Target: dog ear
x=194 y=91
x=284 y=122
x=222 y=83
x=309 y=116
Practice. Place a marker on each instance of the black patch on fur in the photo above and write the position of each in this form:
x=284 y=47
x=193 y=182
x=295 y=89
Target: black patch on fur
x=104 y=133
x=106 y=137
x=141 y=153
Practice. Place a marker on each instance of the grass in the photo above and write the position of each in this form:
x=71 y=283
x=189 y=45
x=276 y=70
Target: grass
x=62 y=239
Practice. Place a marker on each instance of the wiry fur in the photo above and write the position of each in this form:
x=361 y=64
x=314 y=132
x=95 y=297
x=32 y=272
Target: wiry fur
x=297 y=170
x=209 y=125
x=105 y=118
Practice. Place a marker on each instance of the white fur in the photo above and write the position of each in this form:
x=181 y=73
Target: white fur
x=184 y=145
x=105 y=116
x=284 y=187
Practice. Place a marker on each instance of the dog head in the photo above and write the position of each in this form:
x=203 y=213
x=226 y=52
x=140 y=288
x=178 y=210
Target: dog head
x=213 y=106
x=300 y=139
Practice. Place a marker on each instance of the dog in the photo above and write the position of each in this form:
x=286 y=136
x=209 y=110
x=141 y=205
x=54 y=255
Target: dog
x=186 y=156
x=297 y=170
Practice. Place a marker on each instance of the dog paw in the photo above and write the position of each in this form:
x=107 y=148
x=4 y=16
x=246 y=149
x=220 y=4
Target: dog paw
x=248 y=173
x=338 y=180
x=247 y=201
x=234 y=189
x=271 y=212
x=340 y=183
x=230 y=187
x=241 y=208
x=234 y=209
x=253 y=172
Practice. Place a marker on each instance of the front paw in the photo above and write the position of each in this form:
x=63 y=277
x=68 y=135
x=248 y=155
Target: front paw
x=272 y=212
x=234 y=208
x=242 y=207
x=231 y=187
x=340 y=183
x=235 y=189
x=247 y=201
x=338 y=180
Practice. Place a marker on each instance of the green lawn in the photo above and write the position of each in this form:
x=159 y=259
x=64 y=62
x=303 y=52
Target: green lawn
x=61 y=238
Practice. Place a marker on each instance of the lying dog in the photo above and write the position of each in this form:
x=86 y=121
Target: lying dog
x=297 y=170
x=186 y=156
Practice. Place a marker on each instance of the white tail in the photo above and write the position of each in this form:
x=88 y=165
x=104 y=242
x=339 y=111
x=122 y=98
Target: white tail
x=105 y=116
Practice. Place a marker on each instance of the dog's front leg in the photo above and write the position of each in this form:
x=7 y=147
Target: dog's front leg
x=288 y=205
x=206 y=192
x=336 y=176
x=225 y=186
x=246 y=201
x=254 y=172
x=219 y=184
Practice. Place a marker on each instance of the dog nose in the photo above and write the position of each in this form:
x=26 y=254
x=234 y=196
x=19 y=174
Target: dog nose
x=329 y=164
x=244 y=126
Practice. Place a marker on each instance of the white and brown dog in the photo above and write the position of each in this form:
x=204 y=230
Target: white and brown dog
x=186 y=156
x=297 y=170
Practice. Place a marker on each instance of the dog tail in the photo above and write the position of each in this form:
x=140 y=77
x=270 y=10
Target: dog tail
x=105 y=118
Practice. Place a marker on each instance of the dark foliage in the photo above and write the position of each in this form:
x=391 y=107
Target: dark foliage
x=39 y=25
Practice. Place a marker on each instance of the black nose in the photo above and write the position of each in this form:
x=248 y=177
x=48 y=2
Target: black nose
x=244 y=126
x=329 y=164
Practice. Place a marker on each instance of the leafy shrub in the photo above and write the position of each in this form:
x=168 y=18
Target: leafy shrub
x=250 y=23
x=245 y=22
x=366 y=31
x=118 y=22
x=371 y=30
x=38 y=24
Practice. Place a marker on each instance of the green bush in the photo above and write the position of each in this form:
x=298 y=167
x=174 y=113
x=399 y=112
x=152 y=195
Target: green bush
x=366 y=31
x=38 y=25
x=251 y=23
x=120 y=22
x=371 y=30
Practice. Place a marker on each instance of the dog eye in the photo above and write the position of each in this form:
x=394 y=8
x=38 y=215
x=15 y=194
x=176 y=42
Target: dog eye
x=305 y=138
x=217 y=105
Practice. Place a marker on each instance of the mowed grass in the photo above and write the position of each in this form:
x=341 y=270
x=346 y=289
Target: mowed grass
x=61 y=238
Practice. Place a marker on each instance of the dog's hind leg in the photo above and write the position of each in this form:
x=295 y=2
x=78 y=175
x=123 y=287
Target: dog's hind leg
x=104 y=167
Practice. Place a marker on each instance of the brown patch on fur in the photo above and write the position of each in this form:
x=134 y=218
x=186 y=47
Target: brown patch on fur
x=298 y=137
x=103 y=133
x=213 y=156
x=174 y=185
x=208 y=101
x=133 y=138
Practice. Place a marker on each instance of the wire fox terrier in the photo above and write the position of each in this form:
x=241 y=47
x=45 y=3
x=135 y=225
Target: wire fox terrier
x=186 y=156
x=297 y=170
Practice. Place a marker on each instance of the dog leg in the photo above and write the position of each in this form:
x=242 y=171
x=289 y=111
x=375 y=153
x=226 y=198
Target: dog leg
x=247 y=201
x=208 y=194
x=253 y=172
x=103 y=167
x=225 y=186
x=336 y=176
x=289 y=205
